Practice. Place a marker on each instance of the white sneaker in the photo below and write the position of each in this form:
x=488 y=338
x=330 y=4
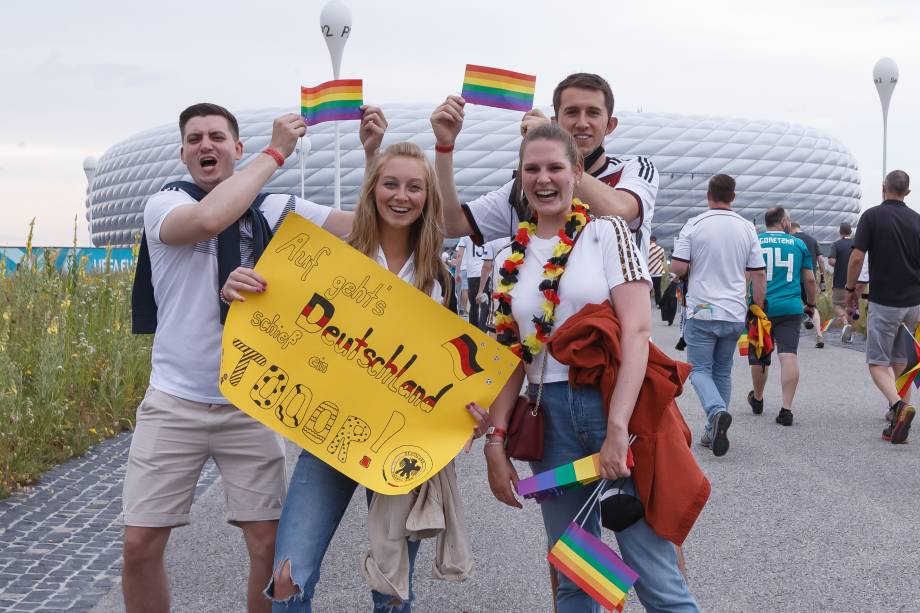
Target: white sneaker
x=846 y=334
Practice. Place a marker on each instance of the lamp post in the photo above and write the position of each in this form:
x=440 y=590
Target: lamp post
x=885 y=75
x=335 y=24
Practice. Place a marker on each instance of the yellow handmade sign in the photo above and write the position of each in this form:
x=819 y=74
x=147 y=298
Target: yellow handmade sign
x=356 y=366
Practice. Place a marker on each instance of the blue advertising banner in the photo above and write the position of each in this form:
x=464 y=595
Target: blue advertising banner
x=92 y=259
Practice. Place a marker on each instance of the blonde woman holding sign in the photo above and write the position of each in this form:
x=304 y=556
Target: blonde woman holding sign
x=557 y=264
x=398 y=223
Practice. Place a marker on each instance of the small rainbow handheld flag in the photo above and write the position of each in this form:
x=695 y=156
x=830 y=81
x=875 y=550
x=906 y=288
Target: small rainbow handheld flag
x=331 y=101
x=593 y=566
x=827 y=325
x=556 y=481
x=502 y=89
x=906 y=344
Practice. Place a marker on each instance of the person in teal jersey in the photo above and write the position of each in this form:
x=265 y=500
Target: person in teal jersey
x=789 y=264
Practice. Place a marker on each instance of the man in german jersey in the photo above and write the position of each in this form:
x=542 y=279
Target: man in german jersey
x=789 y=267
x=583 y=106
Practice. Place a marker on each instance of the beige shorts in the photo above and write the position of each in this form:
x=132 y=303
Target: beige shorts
x=840 y=296
x=882 y=329
x=173 y=438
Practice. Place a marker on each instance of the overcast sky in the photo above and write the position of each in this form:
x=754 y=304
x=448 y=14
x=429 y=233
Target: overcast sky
x=82 y=76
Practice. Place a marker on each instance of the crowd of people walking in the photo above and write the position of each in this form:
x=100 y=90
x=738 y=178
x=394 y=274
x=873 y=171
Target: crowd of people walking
x=565 y=246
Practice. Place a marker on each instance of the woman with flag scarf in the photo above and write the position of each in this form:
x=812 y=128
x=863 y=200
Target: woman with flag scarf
x=559 y=263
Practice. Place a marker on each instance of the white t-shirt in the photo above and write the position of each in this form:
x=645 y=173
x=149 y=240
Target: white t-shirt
x=605 y=251
x=864 y=271
x=407 y=273
x=492 y=215
x=186 y=346
x=719 y=245
x=495 y=247
x=474 y=255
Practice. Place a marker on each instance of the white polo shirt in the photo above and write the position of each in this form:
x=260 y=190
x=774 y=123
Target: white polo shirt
x=719 y=245
x=186 y=347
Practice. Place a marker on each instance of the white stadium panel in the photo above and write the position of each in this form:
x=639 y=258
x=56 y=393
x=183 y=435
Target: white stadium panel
x=773 y=163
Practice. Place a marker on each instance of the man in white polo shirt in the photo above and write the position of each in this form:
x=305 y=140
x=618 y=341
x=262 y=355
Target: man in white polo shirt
x=195 y=232
x=717 y=249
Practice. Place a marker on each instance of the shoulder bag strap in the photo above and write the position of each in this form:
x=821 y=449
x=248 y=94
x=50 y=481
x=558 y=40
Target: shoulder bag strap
x=536 y=406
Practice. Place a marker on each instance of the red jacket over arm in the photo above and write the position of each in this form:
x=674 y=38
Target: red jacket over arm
x=668 y=479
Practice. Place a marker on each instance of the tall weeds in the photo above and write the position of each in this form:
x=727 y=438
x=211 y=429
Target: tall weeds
x=71 y=372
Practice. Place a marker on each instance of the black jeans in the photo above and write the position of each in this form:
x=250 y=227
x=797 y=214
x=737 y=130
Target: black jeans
x=479 y=311
x=656 y=283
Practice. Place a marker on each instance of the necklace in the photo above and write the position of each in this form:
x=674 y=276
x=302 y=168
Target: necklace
x=505 y=327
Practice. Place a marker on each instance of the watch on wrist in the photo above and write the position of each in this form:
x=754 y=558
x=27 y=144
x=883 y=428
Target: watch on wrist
x=849 y=289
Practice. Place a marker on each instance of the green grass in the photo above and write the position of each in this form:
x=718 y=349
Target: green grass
x=71 y=373
x=826 y=308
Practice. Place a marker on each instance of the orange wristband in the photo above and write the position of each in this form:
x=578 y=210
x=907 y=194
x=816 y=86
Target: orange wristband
x=279 y=159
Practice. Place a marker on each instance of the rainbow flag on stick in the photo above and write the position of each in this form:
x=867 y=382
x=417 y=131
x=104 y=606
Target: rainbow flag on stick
x=906 y=344
x=827 y=325
x=556 y=481
x=593 y=566
x=502 y=89
x=331 y=101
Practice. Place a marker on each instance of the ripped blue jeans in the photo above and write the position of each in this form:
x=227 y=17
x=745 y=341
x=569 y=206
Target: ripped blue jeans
x=316 y=501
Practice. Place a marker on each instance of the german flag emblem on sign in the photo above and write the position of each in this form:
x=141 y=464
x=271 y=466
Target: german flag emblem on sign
x=462 y=352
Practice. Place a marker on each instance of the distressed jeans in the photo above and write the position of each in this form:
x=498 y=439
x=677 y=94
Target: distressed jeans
x=711 y=350
x=317 y=499
x=576 y=425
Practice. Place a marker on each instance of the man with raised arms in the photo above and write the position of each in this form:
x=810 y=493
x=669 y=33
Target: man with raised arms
x=183 y=419
x=583 y=106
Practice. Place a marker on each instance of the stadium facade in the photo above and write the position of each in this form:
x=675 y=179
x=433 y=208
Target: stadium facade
x=801 y=168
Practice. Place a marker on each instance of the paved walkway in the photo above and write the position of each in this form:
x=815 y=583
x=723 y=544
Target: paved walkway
x=60 y=541
x=817 y=517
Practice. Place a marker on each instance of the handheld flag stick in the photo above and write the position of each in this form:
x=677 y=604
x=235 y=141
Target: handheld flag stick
x=338 y=167
x=301 y=154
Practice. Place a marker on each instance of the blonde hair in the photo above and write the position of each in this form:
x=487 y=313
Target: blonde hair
x=426 y=235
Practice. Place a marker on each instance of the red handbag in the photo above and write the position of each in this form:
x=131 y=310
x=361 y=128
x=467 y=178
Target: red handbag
x=525 y=426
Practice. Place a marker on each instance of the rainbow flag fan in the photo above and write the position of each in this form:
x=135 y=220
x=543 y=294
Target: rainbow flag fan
x=332 y=101
x=502 y=89
x=592 y=565
x=906 y=344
